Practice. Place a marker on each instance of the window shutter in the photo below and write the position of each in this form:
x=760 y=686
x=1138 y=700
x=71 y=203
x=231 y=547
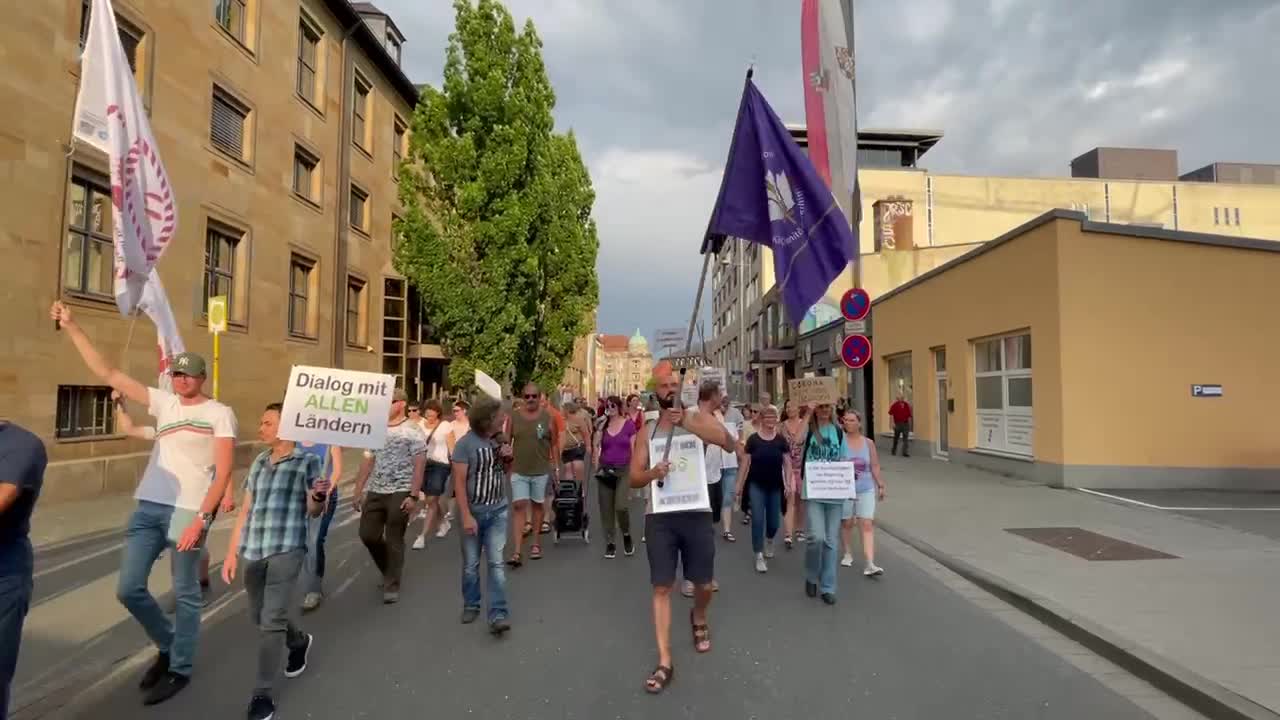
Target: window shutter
x=226 y=127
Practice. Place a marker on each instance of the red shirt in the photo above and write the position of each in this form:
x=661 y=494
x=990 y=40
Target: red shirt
x=900 y=411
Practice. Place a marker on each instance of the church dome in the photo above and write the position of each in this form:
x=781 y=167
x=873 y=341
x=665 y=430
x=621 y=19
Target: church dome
x=638 y=344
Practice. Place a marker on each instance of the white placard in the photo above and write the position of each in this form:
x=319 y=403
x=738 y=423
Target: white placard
x=689 y=395
x=488 y=385
x=685 y=487
x=829 y=480
x=712 y=374
x=346 y=408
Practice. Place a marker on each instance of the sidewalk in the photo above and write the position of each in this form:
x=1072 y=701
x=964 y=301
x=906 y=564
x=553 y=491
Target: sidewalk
x=1203 y=623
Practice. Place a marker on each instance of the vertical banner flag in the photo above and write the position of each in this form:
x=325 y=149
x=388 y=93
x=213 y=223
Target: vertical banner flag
x=771 y=194
x=830 y=105
x=109 y=115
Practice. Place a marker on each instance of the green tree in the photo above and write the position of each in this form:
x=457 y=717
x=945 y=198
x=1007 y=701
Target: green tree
x=497 y=233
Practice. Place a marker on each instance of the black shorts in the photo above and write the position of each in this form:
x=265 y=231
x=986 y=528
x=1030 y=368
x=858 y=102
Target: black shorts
x=437 y=479
x=686 y=538
x=716 y=491
x=576 y=454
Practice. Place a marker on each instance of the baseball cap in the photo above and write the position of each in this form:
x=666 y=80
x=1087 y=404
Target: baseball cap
x=188 y=363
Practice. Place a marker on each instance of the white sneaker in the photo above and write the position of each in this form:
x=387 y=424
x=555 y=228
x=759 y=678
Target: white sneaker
x=419 y=543
x=761 y=565
x=847 y=560
x=872 y=570
x=768 y=549
x=444 y=527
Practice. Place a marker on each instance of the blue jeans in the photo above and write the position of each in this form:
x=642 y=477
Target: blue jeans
x=146 y=536
x=317 y=532
x=491 y=531
x=824 y=543
x=729 y=479
x=766 y=514
x=15 y=598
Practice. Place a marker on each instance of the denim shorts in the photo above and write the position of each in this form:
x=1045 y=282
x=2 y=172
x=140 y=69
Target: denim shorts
x=865 y=505
x=729 y=479
x=528 y=487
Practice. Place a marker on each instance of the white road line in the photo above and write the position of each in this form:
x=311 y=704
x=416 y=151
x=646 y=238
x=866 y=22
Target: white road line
x=76 y=561
x=1139 y=503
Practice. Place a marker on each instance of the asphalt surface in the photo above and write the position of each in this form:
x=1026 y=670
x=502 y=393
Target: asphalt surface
x=904 y=646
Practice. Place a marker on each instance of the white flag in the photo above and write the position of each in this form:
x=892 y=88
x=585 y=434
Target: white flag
x=110 y=116
x=155 y=304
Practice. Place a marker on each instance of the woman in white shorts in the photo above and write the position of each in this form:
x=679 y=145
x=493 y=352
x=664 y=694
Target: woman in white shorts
x=869 y=489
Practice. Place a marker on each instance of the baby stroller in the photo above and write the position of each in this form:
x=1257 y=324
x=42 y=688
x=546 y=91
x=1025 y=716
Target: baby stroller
x=571 y=511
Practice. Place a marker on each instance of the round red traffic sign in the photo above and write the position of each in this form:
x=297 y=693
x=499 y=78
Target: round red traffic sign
x=856 y=351
x=855 y=304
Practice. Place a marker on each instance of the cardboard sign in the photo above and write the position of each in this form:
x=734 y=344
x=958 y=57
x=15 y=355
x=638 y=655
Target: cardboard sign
x=712 y=374
x=346 y=408
x=685 y=487
x=829 y=481
x=813 y=391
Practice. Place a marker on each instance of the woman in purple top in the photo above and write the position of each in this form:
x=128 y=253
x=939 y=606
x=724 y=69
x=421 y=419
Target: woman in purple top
x=612 y=456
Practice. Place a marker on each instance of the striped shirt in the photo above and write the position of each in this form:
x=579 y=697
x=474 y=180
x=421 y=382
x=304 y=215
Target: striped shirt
x=277 y=520
x=182 y=462
x=486 y=482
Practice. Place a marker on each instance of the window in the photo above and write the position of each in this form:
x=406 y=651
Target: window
x=900 y=380
x=400 y=131
x=221 y=248
x=88 y=257
x=393 y=326
x=393 y=46
x=940 y=360
x=1002 y=379
x=1215 y=215
x=359 y=210
x=1237 y=214
x=228 y=125
x=308 y=61
x=306 y=179
x=360 y=108
x=301 y=275
x=355 y=311
x=130 y=36
x=84 y=411
x=397 y=233
x=231 y=15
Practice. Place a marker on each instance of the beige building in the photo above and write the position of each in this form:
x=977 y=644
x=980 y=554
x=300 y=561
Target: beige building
x=281 y=124
x=624 y=365
x=915 y=220
x=580 y=376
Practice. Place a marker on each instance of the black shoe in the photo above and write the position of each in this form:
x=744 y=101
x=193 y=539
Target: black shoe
x=811 y=589
x=155 y=672
x=611 y=551
x=261 y=708
x=628 y=547
x=171 y=684
x=297 y=662
x=829 y=598
x=499 y=626
x=469 y=615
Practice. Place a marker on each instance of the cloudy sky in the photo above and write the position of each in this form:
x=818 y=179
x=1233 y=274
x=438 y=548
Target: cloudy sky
x=1019 y=87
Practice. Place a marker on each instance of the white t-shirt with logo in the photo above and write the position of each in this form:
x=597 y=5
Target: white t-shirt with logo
x=181 y=467
x=438 y=448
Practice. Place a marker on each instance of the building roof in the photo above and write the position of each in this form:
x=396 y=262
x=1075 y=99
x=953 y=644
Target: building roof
x=365 y=8
x=637 y=343
x=1119 y=229
x=614 y=343
x=921 y=140
x=349 y=16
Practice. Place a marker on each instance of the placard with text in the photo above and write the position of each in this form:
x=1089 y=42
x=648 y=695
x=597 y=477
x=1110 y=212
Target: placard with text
x=829 y=481
x=347 y=408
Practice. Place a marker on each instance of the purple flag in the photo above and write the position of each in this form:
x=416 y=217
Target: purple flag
x=772 y=195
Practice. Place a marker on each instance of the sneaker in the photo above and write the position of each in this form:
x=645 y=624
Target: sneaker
x=761 y=566
x=390 y=597
x=829 y=598
x=419 y=542
x=154 y=673
x=261 y=708
x=811 y=589
x=443 y=530
x=628 y=547
x=768 y=549
x=312 y=601
x=171 y=684
x=746 y=518
x=499 y=626
x=687 y=589
x=872 y=570
x=847 y=560
x=642 y=538
x=297 y=662
x=469 y=615
x=611 y=551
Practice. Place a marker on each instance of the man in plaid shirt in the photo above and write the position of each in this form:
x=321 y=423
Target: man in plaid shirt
x=271 y=537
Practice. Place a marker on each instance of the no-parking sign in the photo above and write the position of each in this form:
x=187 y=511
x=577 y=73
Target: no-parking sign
x=855 y=351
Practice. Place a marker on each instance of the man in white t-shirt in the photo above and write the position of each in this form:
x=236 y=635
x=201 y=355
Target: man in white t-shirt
x=186 y=477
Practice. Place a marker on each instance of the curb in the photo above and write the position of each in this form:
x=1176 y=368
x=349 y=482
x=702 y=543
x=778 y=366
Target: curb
x=1191 y=689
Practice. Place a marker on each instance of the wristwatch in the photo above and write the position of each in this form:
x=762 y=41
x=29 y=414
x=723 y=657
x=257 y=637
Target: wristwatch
x=206 y=518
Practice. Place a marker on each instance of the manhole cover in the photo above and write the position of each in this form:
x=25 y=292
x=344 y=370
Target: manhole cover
x=1089 y=545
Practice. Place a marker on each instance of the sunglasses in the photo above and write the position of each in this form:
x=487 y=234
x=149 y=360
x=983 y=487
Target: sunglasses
x=531 y=397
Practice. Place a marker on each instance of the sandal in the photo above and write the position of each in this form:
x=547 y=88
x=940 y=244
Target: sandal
x=515 y=561
x=535 y=552
x=528 y=530
x=546 y=528
x=701 y=635
x=728 y=537
x=659 y=679
x=787 y=541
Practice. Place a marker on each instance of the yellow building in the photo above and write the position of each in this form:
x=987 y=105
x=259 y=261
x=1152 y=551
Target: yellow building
x=1087 y=354
x=281 y=124
x=624 y=365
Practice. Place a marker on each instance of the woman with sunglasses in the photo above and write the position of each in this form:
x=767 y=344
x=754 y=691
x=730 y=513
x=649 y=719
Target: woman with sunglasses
x=612 y=456
x=763 y=464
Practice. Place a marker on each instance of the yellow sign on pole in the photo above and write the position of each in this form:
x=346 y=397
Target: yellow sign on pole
x=217 y=312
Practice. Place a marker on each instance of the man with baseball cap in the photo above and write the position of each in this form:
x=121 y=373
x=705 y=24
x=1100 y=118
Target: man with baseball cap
x=188 y=474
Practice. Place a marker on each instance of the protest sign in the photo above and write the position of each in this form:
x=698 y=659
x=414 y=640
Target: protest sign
x=346 y=408
x=828 y=480
x=813 y=390
x=712 y=374
x=685 y=487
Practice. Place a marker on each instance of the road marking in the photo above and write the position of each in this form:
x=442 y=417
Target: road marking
x=1139 y=503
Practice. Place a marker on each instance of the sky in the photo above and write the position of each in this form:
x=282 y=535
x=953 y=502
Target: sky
x=1019 y=87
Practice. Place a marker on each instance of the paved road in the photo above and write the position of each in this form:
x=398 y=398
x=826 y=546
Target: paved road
x=902 y=647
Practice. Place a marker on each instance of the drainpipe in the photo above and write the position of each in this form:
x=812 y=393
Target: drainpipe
x=341 y=226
